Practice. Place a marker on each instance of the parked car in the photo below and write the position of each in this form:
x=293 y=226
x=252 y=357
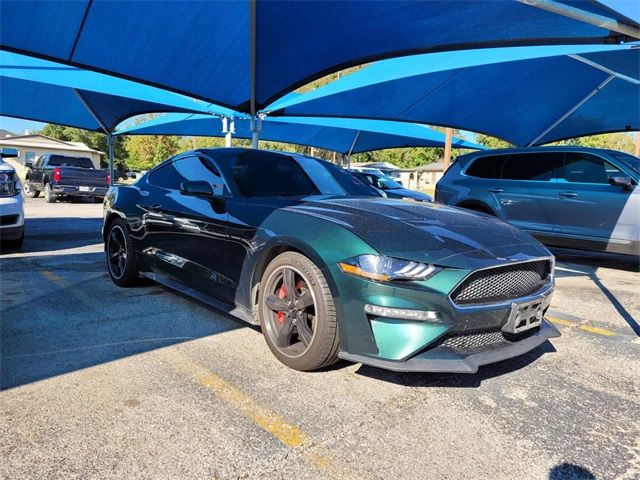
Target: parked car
x=575 y=197
x=11 y=203
x=392 y=174
x=390 y=187
x=328 y=269
x=59 y=176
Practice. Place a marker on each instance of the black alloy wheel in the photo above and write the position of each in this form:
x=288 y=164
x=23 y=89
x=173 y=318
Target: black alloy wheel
x=121 y=260
x=297 y=313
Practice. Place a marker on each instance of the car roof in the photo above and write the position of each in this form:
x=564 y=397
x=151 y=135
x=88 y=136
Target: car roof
x=545 y=149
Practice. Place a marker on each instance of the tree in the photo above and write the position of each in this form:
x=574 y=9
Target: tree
x=614 y=141
x=146 y=151
x=492 y=142
x=94 y=140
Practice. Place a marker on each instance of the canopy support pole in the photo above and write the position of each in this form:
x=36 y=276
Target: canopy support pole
x=111 y=140
x=573 y=109
x=585 y=16
x=256 y=127
x=353 y=145
x=228 y=128
x=448 y=136
x=604 y=69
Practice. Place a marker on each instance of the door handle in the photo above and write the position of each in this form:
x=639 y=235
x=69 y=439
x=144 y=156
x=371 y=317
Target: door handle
x=496 y=190
x=569 y=194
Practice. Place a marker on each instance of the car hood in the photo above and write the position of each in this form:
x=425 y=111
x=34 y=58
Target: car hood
x=426 y=232
x=406 y=193
x=6 y=168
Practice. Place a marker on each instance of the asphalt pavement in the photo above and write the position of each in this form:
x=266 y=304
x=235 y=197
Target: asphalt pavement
x=103 y=382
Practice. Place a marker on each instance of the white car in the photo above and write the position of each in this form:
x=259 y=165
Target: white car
x=11 y=203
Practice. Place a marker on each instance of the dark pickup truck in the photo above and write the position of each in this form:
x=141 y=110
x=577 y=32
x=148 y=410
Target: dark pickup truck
x=61 y=176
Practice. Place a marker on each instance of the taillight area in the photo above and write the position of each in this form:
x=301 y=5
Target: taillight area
x=57 y=174
x=108 y=179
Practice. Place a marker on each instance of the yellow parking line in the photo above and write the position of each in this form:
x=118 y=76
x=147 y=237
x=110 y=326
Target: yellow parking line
x=586 y=328
x=286 y=432
x=599 y=331
x=76 y=293
x=54 y=277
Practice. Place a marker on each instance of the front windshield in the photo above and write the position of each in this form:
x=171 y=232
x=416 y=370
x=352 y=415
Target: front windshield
x=629 y=160
x=387 y=182
x=285 y=176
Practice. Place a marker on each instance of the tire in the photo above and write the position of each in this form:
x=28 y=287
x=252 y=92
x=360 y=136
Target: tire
x=123 y=271
x=13 y=244
x=98 y=199
x=318 y=346
x=29 y=191
x=49 y=196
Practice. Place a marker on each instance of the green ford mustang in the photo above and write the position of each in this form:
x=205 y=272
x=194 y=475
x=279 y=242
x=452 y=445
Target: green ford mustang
x=327 y=267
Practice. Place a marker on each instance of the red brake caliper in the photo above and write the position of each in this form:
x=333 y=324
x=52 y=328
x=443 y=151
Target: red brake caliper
x=282 y=293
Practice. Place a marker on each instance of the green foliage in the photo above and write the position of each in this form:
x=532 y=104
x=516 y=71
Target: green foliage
x=492 y=142
x=94 y=140
x=146 y=151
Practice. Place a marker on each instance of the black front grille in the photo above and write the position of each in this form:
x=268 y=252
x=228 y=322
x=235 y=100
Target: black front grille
x=469 y=343
x=8 y=220
x=502 y=283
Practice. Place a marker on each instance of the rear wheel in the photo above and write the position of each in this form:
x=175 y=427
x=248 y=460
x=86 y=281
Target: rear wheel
x=29 y=191
x=297 y=313
x=121 y=261
x=98 y=199
x=49 y=196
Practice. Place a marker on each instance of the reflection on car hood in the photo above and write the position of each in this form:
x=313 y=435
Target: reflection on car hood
x=425 y=232
x=406 y=193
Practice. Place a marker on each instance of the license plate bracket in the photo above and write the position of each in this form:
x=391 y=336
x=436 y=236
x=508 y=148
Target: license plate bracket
x=526 y=315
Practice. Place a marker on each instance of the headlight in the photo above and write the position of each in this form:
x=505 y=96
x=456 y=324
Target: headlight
x=384 y=269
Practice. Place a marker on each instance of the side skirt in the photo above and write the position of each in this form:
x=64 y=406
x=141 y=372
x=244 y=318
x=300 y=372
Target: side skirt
x=237 y=311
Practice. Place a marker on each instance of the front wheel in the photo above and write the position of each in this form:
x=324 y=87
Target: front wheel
x=297 y=313
x=121 y=260
x=29 y=191
x=49 y=196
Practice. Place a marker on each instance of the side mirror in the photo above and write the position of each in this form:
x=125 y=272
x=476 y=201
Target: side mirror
x=197 y=188
x=381 y=185
x=8 y=153
x=622 y=181
x=28 y=164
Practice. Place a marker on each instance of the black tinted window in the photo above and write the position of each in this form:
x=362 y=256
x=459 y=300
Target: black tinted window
x=271 y=176
x=486 y=167
x=587 y=168
x=531 y=166
x=85 y=162
x=165 y=177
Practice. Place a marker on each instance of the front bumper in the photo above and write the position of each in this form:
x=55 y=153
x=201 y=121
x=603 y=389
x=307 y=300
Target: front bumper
x=76 y=192
x=443 y=358
x=11 y=217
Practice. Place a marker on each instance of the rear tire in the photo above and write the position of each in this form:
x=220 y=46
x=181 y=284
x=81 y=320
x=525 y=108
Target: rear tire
x=49 y=196
x=28 y=190
x=98 y=199
x=121 y=259
x=13 y=244
x=304 y=334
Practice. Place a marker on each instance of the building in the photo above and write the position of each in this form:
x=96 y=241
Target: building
x=32 y=146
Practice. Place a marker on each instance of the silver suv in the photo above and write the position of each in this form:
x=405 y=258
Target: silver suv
x=572 y=197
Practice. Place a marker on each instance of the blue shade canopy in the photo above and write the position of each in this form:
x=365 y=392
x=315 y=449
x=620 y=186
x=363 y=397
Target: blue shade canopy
x=526 y=95
x=338 y=134
x=35 y=89
x=230 y=52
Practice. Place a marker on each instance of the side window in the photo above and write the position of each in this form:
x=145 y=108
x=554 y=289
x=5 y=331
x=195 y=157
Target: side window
x=196 y=168
x=165 y=177
x=531 y=166
x=486 y=167
x=587 y=168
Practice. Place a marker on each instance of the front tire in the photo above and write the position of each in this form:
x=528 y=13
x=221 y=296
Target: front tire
x=29 y=191
x=297 y=313
x=121 y=260
x=49 y=196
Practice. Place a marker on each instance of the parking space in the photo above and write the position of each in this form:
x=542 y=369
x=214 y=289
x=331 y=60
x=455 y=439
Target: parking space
x=143 y=382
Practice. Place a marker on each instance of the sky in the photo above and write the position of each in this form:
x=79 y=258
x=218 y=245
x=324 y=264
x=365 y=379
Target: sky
x=17 y=126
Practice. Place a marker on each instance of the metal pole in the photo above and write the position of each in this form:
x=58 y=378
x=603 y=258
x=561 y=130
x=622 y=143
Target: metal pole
x=448 y=136
x=585 y=16
x=111 y=142
x=256 y=126
x=573 y=109
x=353 y=145
x=228 y=128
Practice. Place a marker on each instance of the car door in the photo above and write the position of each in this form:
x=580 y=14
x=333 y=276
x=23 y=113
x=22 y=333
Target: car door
x=589 y=207
x=36 y=175
x=527 y=192
x=187 y=233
